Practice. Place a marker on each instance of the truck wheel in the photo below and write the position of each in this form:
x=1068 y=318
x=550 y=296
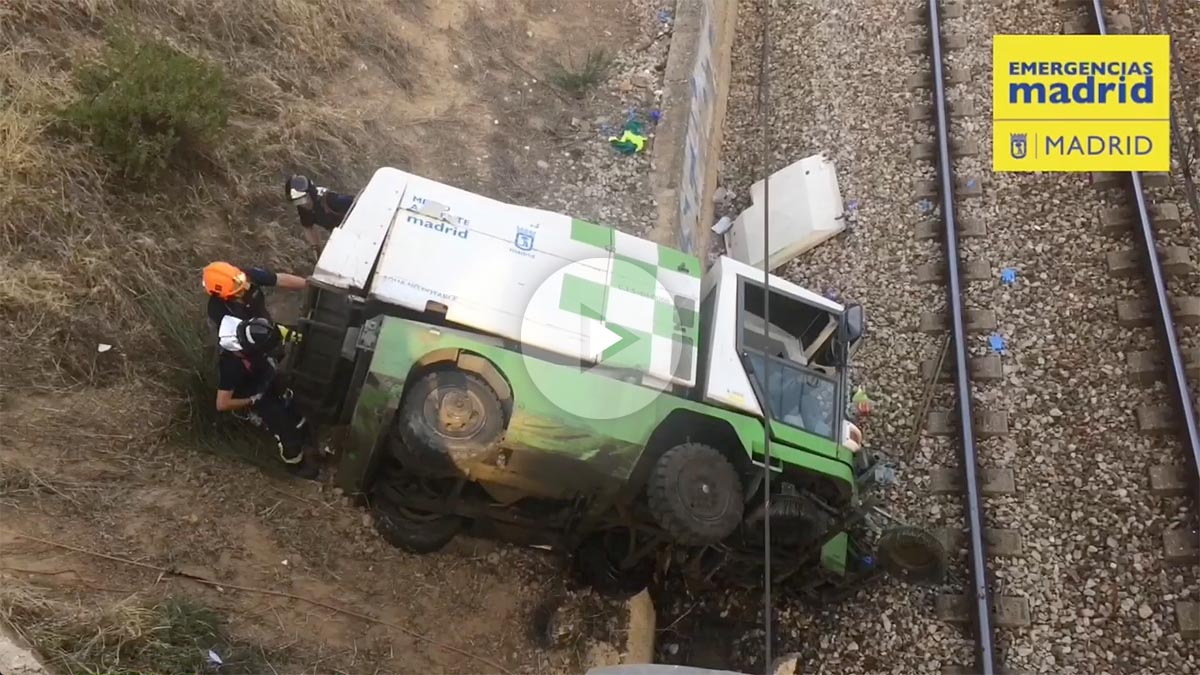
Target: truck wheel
x=451 y=415
x=415 y=533
x=596 y=563
x=695 y=494
x=911 y=554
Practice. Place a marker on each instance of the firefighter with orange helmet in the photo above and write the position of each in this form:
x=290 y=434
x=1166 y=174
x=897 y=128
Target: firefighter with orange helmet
x=236 y=291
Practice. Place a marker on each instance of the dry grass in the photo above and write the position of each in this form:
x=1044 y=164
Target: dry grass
x=130 y=637
x=579 y=78
x=77 y=249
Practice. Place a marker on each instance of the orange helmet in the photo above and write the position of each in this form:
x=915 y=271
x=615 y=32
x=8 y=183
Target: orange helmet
x=224 y=280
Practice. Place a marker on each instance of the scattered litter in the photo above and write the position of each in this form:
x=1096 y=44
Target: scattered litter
x=656 y=116
x=885 y=475
x=1008 y=276
x=664 y=16
x=722 y=226
x=832 y=294
x=925 y=206
x=851 y=214
x=996 y=342
x=631 y=140
x=971 y=183
x=862 y=402
x=103 y=347
x=215 y=659
x=283 y=562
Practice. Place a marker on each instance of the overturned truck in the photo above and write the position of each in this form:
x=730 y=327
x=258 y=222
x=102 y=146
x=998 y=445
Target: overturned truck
x=549 y=381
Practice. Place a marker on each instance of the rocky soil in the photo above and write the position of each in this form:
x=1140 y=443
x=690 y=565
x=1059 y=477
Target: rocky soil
x=1101 y=598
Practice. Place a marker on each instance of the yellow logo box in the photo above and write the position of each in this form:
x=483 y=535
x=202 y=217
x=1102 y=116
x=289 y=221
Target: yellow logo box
x=1067 y=103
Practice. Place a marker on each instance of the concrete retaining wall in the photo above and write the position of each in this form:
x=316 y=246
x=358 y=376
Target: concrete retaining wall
x=687 y=144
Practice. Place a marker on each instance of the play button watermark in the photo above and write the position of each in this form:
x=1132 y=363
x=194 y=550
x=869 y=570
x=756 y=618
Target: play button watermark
x=584 y=323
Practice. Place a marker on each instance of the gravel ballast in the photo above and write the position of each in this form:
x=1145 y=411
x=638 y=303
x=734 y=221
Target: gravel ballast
x=1101 y=599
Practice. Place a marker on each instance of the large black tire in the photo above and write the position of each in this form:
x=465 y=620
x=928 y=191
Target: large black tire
x=449 y=420
x=695 y=494
x=424 y=534
x=596 y=563
x=912 y=554
x=326 y=375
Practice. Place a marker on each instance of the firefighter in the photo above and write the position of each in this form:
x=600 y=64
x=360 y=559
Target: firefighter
x=316 y=206
x=247 y=383
x=236 y=292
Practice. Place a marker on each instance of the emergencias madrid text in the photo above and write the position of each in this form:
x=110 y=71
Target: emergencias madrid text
x=1134 y=82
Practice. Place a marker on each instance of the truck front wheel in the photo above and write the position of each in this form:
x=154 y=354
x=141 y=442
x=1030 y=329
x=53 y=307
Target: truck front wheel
x=450 y=419
x=695 y=494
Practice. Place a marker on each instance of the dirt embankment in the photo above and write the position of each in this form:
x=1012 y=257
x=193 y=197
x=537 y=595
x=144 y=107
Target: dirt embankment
x=99 y=491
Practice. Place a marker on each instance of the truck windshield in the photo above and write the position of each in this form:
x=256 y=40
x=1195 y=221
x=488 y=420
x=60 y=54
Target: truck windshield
x=801 y=384
x=797 y=396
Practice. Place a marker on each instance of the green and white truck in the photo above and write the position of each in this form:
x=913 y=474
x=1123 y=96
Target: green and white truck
x=554 y=382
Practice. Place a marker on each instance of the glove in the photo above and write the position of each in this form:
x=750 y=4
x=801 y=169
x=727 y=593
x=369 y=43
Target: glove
x=256 y=398
x=290 y=335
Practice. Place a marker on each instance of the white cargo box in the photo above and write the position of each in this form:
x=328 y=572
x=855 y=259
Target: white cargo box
x=548 y=280
x=806 y=210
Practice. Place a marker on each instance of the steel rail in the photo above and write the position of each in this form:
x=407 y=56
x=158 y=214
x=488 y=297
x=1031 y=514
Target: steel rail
x=985 y=644
x=1177 y=380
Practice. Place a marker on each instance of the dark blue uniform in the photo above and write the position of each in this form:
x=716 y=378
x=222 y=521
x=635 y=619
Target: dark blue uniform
x=328 y=211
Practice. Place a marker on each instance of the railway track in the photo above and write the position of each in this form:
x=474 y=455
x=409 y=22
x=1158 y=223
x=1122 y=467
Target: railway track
x=1139 y=220
x=985 y=481
x=977 y=481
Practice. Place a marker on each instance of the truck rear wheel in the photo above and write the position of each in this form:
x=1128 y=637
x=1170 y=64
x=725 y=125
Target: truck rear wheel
x=415 y=533
x=449 y=420
x=695 y=494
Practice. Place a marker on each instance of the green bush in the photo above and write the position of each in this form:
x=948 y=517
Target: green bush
x=147 y=105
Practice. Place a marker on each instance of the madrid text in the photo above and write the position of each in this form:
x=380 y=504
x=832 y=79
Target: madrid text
x=1063 y=145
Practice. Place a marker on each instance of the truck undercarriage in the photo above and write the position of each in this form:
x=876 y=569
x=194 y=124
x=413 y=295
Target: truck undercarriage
x=618 y=548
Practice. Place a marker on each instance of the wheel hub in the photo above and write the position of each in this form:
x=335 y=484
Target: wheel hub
x=702 y=498
x=456 y=413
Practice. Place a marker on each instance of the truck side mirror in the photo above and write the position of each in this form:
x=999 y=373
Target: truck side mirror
x=856 y=323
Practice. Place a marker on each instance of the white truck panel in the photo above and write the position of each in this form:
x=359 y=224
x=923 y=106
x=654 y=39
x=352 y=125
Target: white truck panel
x=352 y=249
x=727 y=382
x=541 y=278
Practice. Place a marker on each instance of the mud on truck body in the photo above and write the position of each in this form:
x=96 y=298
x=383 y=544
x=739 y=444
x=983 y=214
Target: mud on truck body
x=550 y=381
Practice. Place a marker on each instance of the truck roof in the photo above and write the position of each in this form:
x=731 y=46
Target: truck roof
x=545 y=279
